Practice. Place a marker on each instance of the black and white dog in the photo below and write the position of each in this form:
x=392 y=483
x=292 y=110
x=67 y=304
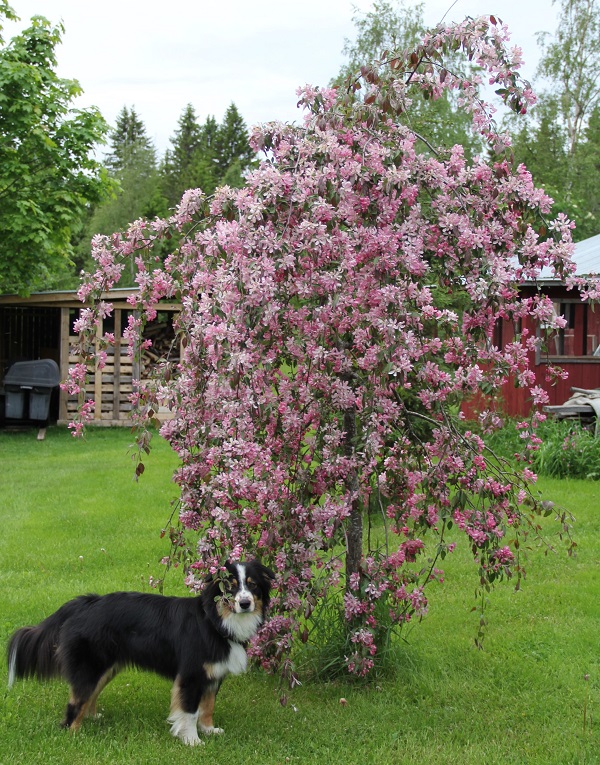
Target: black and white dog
x=194 y=641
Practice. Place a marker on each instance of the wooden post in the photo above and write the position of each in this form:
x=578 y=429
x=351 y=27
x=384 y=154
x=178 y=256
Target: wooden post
x=65 y=330
x=98 y=380
x=117 y=367
x=136 y=363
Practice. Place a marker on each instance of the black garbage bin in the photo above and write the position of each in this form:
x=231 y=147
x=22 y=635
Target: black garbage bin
x=28 y=386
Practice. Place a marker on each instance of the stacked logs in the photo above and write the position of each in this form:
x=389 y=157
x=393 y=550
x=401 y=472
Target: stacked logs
x=164 y=346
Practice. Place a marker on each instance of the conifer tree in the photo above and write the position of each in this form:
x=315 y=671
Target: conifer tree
x=231 y=141
x=133 y=166
x=206 y=155
x=178 y=160
x=129 y=141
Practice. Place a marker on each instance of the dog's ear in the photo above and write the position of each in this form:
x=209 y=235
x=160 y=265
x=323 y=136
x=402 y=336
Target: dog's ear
x=266 y=572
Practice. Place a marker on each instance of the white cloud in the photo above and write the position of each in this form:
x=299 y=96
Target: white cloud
x=160 y=56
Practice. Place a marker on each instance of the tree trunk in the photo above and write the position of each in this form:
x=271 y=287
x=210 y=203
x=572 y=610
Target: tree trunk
x=354 y=528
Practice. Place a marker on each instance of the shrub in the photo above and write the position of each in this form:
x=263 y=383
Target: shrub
x=567 y=449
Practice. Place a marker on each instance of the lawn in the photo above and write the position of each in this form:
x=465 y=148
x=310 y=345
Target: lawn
x=74 y=520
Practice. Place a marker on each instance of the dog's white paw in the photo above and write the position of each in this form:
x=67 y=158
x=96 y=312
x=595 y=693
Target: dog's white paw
x=190 y=740
x=183 y=726
x=211 y=731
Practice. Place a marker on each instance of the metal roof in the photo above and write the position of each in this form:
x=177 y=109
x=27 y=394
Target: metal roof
x=586 y=257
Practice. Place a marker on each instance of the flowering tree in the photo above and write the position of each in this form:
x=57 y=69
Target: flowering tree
x=334 y=314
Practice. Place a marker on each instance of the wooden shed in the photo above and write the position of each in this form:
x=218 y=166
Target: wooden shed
x=41 y=327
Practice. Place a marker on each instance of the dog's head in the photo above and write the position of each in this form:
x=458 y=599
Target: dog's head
x=237 y=598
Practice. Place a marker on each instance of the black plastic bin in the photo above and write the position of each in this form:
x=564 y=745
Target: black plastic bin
x=28 y=387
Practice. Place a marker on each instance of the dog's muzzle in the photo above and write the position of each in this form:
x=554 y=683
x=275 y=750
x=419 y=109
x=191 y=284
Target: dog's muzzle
x=245 y=605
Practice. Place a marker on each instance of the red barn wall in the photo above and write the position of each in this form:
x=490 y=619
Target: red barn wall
x=571 y=350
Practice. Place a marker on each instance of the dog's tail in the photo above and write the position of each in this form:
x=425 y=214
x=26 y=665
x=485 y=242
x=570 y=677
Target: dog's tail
x=32 y=651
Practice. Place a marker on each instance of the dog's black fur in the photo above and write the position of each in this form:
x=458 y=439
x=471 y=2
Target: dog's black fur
x=194 y=641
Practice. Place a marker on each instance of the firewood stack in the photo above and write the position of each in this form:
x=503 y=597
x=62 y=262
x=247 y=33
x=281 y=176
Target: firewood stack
x=164 y=346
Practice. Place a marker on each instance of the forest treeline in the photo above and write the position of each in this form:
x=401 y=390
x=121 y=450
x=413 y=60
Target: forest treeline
x=200 y=155
x=55 y=194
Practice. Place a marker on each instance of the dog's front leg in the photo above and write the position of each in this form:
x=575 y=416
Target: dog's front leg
x=205 y=712
x=184 y=723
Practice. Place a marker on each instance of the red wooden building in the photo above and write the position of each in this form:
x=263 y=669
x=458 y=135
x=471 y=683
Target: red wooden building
x=576 y=348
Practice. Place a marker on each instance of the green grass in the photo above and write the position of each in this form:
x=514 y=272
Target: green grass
x=73 y=520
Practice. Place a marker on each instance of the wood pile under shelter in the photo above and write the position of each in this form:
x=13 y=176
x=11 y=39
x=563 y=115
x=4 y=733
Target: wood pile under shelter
x=41 y=326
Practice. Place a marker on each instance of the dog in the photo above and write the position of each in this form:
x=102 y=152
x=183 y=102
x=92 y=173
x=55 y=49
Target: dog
x=194 y=641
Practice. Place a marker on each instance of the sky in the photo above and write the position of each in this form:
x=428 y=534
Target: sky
x=159 y=56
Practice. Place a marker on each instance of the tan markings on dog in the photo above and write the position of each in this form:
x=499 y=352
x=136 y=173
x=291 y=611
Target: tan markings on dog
x=183 y=724
x=73 y=702
x=76 y=724
x=176 y=696
x=224 y=609
x=102 y=683
x=206 y=709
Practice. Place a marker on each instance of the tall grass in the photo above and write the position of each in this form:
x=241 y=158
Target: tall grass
x=74 y=520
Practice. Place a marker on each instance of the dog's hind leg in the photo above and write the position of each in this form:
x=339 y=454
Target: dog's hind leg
x=86 y=685
x=102 y=683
